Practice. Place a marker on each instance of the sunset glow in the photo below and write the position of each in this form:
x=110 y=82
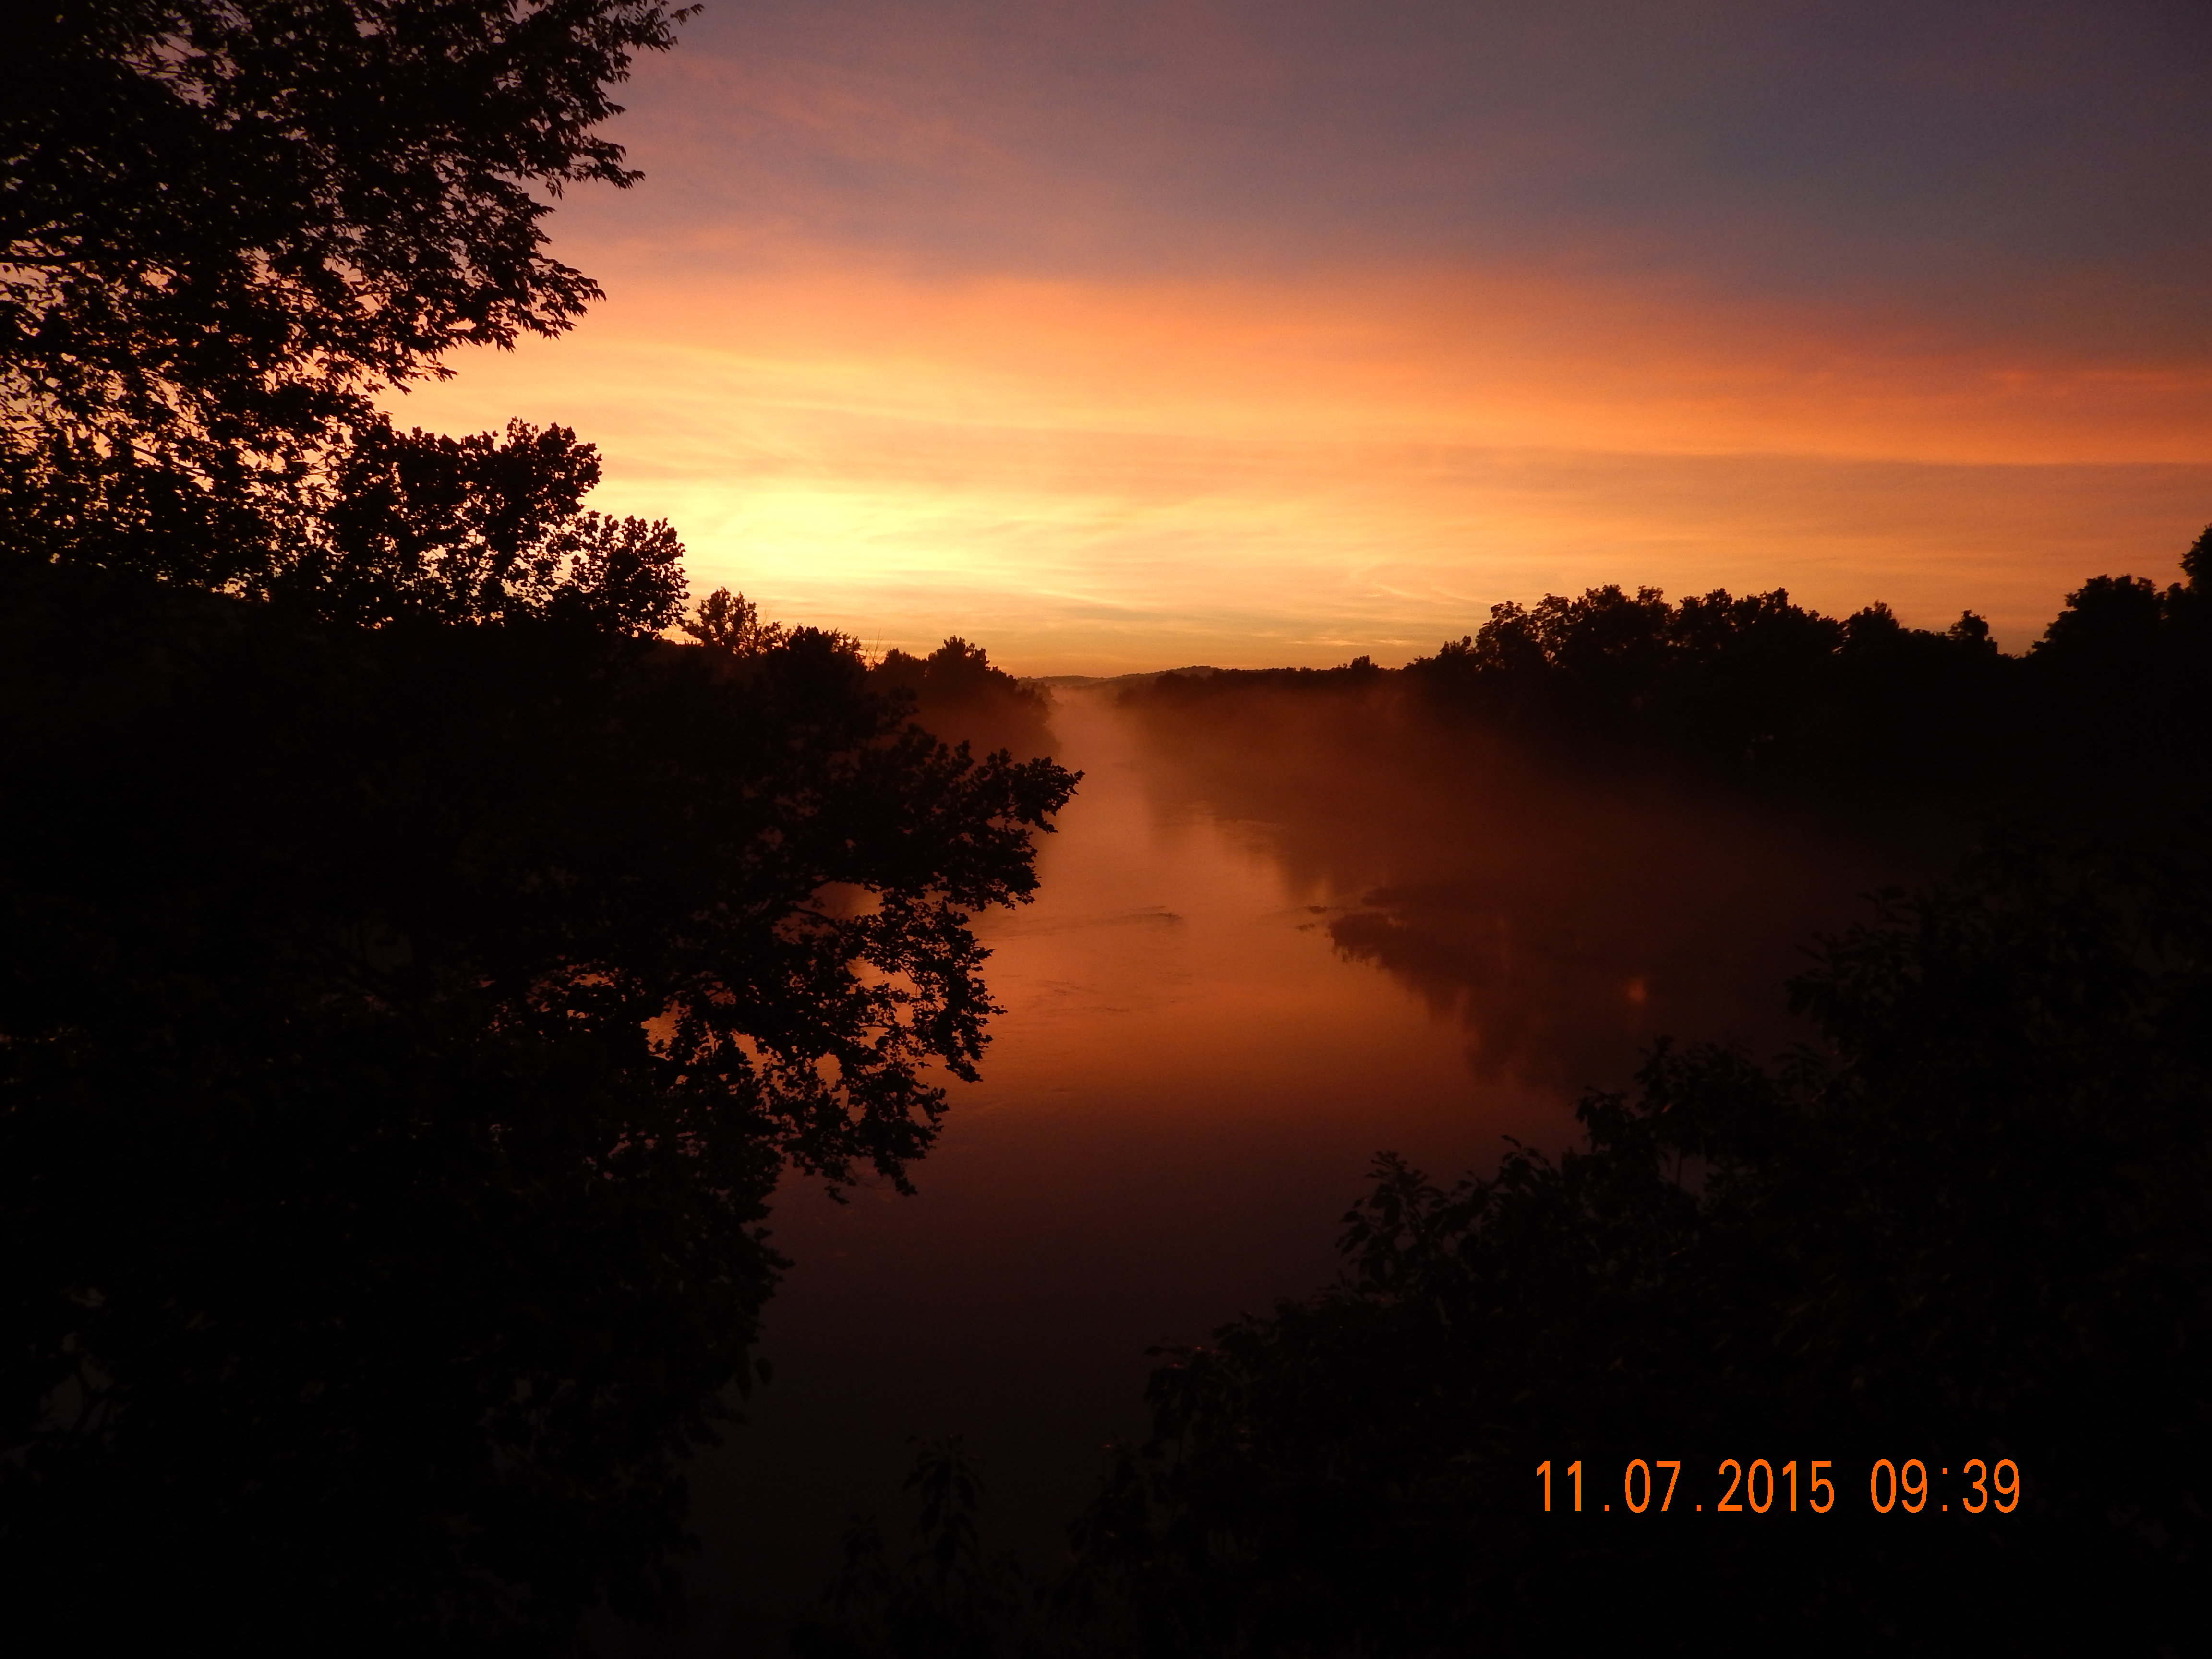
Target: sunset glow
x=1224 y=436
x=639 y=1014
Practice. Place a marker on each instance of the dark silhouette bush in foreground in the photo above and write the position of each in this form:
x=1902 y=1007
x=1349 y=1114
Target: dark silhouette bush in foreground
x=1976 y=1222
x=403 y=1029
x=414 y=973
x=946 y=1597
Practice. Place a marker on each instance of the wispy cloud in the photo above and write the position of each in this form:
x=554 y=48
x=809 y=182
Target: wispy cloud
x=1131 y=334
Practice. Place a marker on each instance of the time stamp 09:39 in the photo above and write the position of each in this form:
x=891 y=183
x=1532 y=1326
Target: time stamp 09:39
x=1760 y=1486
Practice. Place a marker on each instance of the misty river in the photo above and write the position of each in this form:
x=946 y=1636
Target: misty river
x=1266 y=946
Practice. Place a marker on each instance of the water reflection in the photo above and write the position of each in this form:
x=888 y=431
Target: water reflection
x=1268 y=944
x=1564 y=921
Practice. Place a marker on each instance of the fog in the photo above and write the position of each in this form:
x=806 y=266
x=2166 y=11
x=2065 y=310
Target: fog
x=1277 y=933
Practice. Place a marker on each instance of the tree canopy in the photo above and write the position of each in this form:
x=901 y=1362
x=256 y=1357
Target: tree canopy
x=223 y=226
x=1974 y=1221
x=1972 y=1224
x=416 y=973
x=404 y=1029
x=1754 y=691
x=959 y=694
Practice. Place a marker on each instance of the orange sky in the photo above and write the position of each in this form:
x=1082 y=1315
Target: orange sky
x=1094 y=453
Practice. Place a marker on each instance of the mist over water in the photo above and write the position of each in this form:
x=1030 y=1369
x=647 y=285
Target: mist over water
x=1565 y=916
x=1271 y=940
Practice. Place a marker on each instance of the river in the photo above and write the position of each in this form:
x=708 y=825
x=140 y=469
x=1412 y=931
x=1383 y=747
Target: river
x=1266 y=946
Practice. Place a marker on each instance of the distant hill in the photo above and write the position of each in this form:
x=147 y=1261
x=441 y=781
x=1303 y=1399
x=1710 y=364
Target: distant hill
x=1084 y=682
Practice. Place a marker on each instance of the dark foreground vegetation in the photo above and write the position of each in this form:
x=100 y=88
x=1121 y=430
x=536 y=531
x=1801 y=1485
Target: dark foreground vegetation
x=1974 y=1222
x=415 y=969
x=1970 y=1220
x=405 y=1028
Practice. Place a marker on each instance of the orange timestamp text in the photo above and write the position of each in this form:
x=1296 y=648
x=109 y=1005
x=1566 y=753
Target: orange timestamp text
x=1760 y=1486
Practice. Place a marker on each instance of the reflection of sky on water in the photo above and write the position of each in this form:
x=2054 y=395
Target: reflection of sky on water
x=1562 y=925
x=1261 y=953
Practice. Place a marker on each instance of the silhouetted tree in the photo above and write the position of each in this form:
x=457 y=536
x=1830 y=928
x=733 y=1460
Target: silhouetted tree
x=2122 y=673
x=401 y=1030
x=957 y=694
x=1975 y=1224
x=458 y=529
x=1752 y=688
x=948 y=1598
x=731 y=622
x=1853 y=712
x=415 y=975
x=224 y=226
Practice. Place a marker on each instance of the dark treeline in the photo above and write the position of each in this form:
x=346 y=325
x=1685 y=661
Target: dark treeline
x=405 y=1030
x=417 y=967
x=958 y=695
x=1971 y=1218
x=418 y=964
x=1758 y=691
x=1974 y=1221
x=954 y=691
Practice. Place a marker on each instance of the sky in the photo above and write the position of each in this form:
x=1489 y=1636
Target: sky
x=1117 y=335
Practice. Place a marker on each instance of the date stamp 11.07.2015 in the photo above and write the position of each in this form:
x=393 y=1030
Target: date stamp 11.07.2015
x=1760 y=1486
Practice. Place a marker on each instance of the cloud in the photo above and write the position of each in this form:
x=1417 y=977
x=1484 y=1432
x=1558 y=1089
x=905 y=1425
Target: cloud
x=1968 y=158
x=1133 y=473
x=1122 y=334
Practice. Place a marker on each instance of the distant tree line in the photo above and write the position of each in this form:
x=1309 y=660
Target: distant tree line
x=1755 y=689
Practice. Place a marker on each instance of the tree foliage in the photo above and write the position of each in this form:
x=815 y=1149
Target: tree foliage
x=731 y=622
x=401 y=1030
x=959 y=695
x=416 y=974
x=1751 y=684
x=1974 y=1223
x=1755 y=690
x=948 y=1597
x=227 y=224
x=423 y=525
